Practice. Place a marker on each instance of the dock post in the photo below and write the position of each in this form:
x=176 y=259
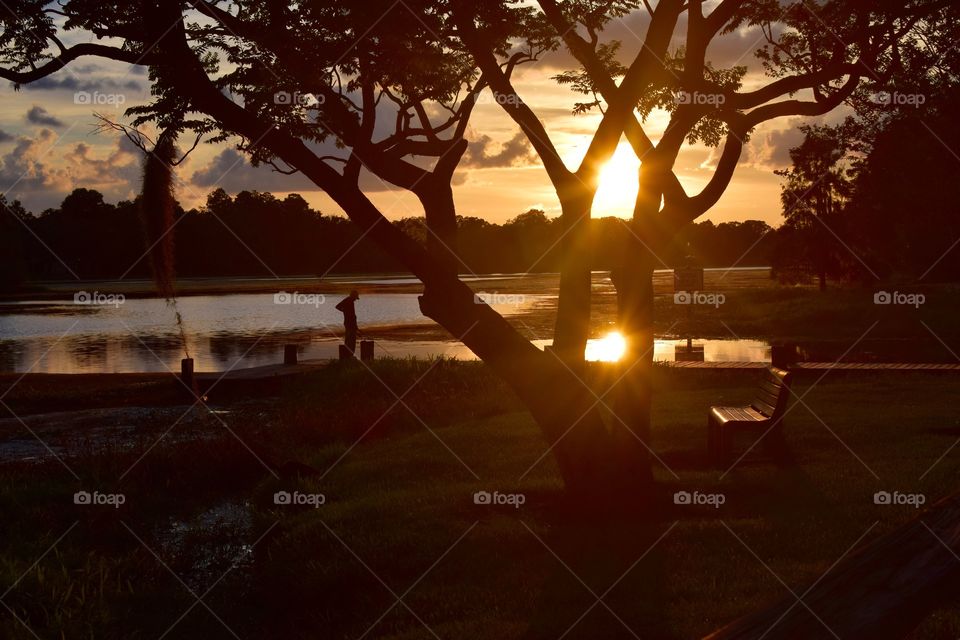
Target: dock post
x=289 y=354
x=784 y=356
x=186 y=372
x=366 y=349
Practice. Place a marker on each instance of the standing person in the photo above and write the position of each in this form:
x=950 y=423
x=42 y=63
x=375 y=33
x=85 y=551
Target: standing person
x=346 y=307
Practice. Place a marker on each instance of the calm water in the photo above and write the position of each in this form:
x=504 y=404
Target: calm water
x=245 y=330
x=142 y=335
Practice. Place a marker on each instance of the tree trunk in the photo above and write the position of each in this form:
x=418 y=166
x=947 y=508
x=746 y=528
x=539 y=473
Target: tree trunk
x=573 y=425
x=632 y=395
x=556 y=396
x=573 y=307
x=634 y=283
x=436 y=196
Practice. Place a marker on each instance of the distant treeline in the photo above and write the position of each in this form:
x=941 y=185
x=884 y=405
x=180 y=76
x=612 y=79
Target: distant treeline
x=258 y=234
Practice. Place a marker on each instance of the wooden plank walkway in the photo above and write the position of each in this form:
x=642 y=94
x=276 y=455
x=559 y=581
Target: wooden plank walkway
x=822 y=366
x=714 y=365
x=878 y=366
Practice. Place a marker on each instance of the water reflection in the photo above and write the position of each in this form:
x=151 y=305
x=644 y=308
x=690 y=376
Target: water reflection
x=246 y=330
x=609 y=348
x=158 y=353
x=221 y=331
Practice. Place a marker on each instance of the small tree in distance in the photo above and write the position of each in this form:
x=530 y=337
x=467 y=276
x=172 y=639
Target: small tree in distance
x=813 y=194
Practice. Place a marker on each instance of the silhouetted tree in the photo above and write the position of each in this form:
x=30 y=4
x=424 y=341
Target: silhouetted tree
x=353 y=56
x=14 y=221
x=813 y=196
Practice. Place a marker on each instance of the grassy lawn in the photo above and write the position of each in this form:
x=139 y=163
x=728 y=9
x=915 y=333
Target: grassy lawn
x=803 y=313
x=399 y=521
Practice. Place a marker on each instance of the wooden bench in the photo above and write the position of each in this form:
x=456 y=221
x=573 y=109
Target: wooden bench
x=764 y=413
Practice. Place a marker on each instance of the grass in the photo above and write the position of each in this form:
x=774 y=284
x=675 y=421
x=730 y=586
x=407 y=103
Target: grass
x=804 y=314
x=400 y=520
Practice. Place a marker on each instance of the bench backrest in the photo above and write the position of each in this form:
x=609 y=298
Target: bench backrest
x=774 y=392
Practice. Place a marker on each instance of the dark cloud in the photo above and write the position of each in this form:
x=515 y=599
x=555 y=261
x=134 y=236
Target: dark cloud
x=735 y=48
x=770 y=149
x=72 y=83
x=514 y=152
x=231 y=171
x=778 y=144
x=87 y=68
x=5 y=137
x=40 y=116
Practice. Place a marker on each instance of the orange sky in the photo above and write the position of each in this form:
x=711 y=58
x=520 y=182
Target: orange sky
x=48 y=146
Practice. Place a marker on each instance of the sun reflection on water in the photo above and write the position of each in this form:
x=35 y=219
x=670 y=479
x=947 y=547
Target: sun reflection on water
x=609 y=348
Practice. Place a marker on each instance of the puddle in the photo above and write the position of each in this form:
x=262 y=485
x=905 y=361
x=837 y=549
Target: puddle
x=215 y=543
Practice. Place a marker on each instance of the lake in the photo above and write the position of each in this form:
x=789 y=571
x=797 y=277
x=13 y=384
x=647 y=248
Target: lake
x=95 y=330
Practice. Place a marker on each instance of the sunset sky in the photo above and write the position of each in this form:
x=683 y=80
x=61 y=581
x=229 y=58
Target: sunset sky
x=48 y=146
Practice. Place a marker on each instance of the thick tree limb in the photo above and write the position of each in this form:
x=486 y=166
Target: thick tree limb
x=69 y=55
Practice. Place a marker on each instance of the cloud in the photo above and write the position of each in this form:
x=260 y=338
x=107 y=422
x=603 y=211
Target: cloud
x=5 y=137
x=41 y=179
x=40 y=116
x=117 y=173
x=728 y=49
x=231 y=171
x=514 y=152
x=769 y=148
x=23 y=169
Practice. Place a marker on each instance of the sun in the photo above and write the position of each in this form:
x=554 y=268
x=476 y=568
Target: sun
x=609 y=348
x=617 y=192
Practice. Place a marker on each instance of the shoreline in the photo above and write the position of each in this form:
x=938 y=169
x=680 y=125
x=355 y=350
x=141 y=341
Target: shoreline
x=339 y=283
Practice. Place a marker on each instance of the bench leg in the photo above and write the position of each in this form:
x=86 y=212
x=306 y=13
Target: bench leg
x=775 y=444
x=713 y=444
x=725 y=439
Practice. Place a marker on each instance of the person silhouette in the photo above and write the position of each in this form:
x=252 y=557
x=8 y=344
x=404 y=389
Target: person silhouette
x=346 y=307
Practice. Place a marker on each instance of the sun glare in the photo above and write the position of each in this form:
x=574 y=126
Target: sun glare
x=609 y=348
x=617 y=192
